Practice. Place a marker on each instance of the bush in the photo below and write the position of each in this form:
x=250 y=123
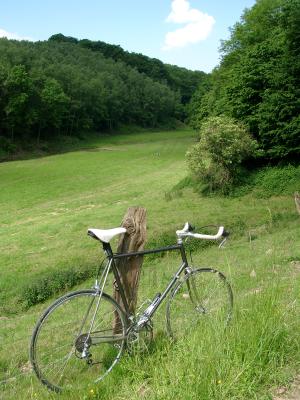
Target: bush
x=270 y=181
x=216 y=158
x=51 y=283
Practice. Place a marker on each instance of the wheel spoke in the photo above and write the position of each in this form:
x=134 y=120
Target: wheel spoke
x=203 y=296
x=65 y=365
x=62 y=349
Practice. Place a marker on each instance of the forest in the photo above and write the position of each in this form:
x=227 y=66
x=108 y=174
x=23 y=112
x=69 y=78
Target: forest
x=65 y=86
x=62 y=86
x=258 y=79
x=175 y=77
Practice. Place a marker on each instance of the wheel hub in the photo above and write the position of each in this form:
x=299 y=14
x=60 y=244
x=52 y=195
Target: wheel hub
x=83 y=342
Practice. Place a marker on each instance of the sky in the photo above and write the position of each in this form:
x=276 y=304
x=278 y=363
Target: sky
x=187 y=33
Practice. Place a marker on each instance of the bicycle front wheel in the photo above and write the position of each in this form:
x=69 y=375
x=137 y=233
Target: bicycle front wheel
x=67 y=350
x=202 y=298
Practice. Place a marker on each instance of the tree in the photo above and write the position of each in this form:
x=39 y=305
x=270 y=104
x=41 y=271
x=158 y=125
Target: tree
x=3 y=77
x=18 y=89
x=54 y=104
x=216 y=159
x=258 y=80
x=60 y=86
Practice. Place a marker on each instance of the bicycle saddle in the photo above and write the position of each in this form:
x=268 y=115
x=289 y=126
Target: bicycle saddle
x=105 y=235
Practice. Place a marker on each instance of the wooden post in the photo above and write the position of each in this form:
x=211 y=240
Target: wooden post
x=129 y=268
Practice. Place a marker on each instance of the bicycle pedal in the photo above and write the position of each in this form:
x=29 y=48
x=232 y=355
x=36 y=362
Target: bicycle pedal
x=89 y=359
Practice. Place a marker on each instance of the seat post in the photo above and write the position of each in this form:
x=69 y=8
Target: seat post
x=107 y=249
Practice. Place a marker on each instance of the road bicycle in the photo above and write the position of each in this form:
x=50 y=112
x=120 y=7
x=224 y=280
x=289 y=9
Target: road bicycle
x=82 y=335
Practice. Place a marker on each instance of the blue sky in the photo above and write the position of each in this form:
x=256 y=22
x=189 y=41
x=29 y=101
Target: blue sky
x=182 y=32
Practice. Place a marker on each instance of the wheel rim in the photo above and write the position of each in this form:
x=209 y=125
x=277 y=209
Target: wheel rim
x=62 y=335
x=201 y=302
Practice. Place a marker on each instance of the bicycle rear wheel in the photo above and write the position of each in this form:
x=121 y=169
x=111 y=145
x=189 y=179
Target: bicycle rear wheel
x=203 y=297
x=63 y=354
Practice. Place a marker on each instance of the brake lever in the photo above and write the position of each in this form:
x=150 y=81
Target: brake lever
x=191 y=228
x=221 y=245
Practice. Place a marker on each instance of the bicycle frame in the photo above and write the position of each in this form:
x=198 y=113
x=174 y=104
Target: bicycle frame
x=118 y=326
x=115 y=256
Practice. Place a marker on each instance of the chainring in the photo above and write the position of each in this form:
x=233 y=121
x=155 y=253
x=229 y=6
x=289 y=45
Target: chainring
x=138 y=341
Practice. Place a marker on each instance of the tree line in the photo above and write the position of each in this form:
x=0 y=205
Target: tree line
x=257 y=81
x=177 y=78
x=58 y=86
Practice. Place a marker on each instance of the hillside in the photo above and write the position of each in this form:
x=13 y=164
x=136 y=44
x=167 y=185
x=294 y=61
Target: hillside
x=48 y=203
x=95 y=129
x=177 y=78
x=65 y=87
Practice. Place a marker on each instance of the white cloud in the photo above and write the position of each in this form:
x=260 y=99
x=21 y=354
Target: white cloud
x=198 y=25
x=15 y=36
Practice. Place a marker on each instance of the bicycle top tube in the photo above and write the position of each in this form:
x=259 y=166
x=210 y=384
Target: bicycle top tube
x=145 y=252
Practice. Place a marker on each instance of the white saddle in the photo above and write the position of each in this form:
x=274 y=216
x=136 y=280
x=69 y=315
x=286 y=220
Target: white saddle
x=105 y=235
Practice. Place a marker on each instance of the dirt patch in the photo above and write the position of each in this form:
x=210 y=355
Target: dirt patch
x=296 y=269
x=254 y=291
x=293 y=393
x=95 y=149
x=26 y=368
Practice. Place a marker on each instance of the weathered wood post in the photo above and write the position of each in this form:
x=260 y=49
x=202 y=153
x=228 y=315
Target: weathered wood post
x=129 y=268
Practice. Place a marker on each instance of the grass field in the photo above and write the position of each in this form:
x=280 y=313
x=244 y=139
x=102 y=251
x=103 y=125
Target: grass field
x=48 y=203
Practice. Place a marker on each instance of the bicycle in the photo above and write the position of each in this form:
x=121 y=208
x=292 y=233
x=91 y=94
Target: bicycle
x=83 y=333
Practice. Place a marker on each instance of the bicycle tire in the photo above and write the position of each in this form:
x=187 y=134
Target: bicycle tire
x=59 y=336
x=202 y=296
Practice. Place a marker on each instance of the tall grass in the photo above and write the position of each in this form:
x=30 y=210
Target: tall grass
x=46 y=206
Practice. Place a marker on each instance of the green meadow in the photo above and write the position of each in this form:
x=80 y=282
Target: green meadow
x=48 y=203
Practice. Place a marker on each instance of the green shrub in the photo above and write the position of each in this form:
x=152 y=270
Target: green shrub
x=277 y=181
x=216 y=158
x=43 y=287
x=270 y=181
